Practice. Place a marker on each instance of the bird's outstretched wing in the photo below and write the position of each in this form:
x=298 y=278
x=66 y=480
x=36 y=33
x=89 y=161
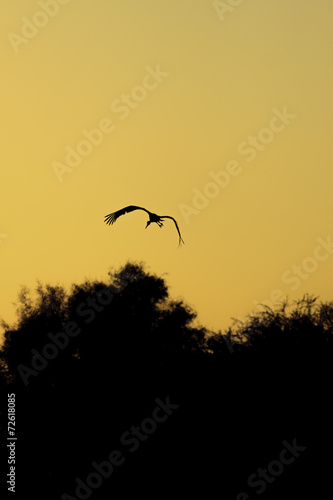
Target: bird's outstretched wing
x=111 y=218
x=174 y=220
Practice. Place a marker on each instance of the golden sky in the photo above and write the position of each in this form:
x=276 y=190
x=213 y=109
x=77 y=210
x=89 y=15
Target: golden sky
x=217 y=113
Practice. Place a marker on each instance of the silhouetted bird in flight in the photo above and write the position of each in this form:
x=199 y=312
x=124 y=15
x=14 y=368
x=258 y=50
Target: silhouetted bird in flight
x=111 y=218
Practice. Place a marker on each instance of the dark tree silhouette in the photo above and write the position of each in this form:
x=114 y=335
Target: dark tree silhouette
x=88 y=364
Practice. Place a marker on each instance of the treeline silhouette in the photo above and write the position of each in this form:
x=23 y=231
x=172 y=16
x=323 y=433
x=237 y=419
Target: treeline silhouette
x=119 y=365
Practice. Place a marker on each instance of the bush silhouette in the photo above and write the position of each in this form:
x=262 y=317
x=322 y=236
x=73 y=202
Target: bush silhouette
x=112 y=348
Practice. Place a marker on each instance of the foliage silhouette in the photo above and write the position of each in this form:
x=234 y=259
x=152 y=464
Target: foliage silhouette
x=240 y=394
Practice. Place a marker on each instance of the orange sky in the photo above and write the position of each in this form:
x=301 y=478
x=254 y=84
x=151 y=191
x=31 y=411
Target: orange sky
x=220 y=117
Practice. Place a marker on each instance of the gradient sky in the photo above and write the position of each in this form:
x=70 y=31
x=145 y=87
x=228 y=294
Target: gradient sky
x=223 y=77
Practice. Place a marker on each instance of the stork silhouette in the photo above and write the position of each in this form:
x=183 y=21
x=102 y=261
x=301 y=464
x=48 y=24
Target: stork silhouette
x=111 y=218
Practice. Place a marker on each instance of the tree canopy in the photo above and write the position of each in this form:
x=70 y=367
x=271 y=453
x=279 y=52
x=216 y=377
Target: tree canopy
x=90 y=362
